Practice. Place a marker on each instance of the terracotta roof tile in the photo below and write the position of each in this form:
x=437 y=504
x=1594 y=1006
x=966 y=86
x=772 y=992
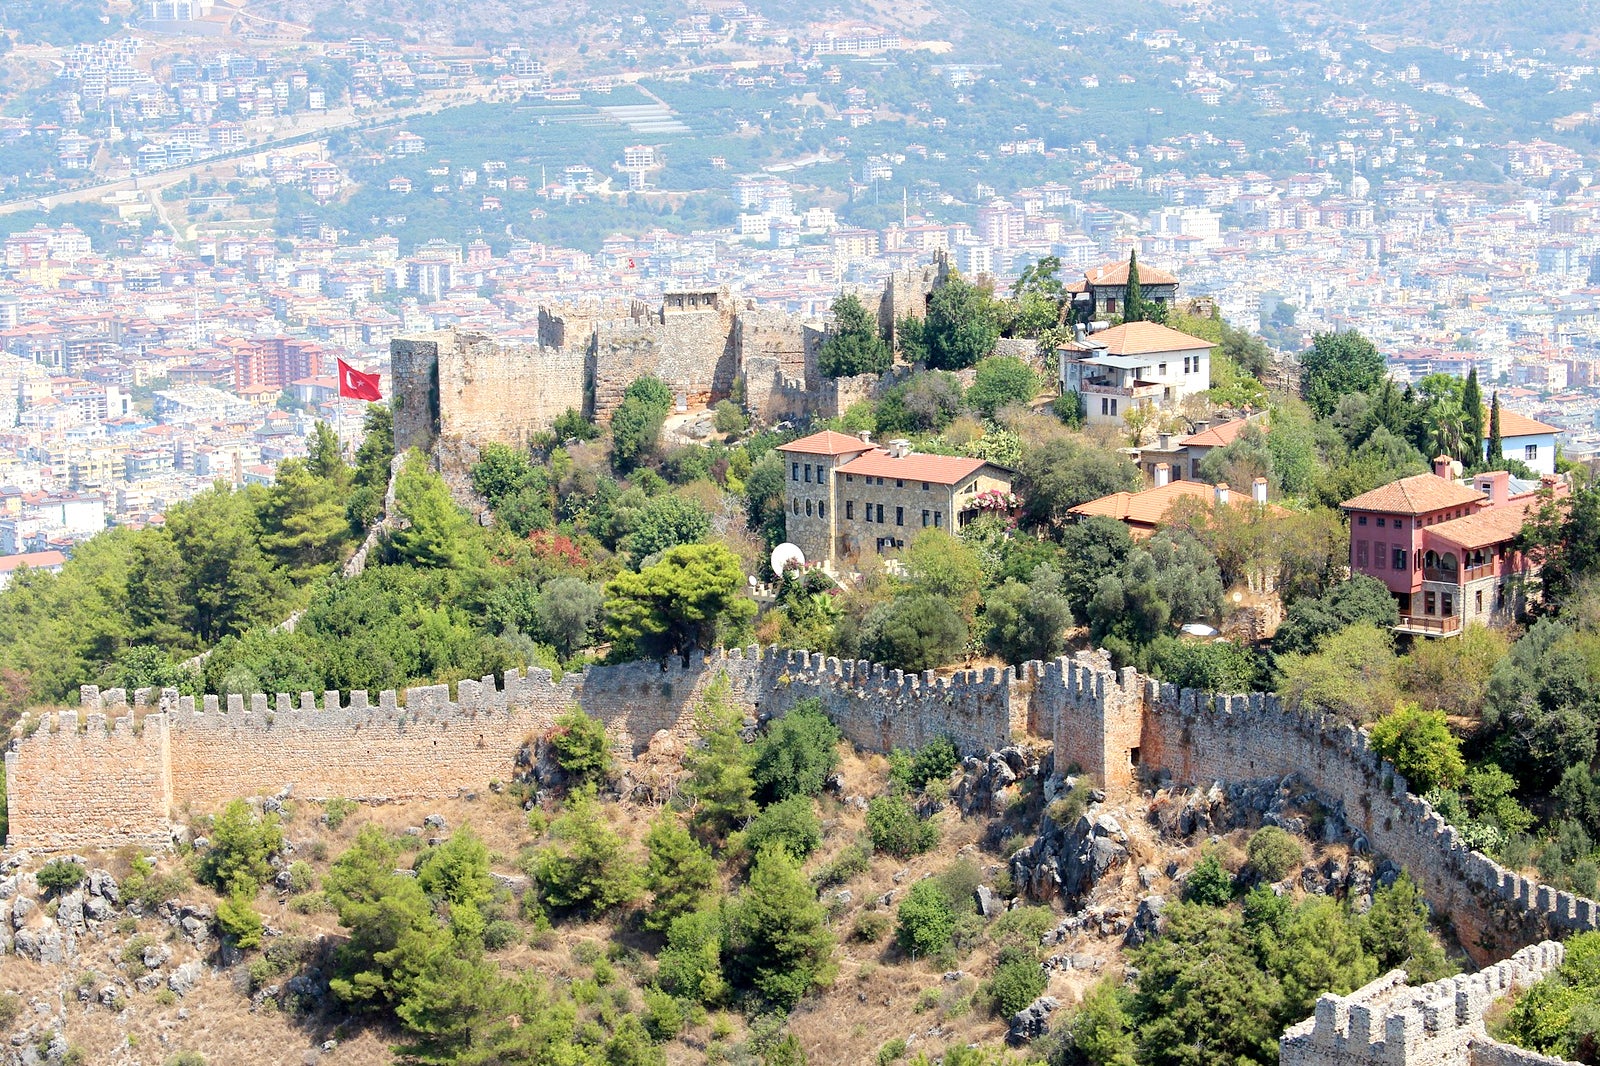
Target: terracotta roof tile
x=1418 y=494
x=1492 y=525
x=827 y=442
x=1150 y=507
x=937 y=469
x=1117 y=274
x=1219 y=436
x=1513 y=424
x=1146 y=338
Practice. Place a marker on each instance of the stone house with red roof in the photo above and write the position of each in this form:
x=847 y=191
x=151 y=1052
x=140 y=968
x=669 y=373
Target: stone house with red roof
x=1446 y=548
x=845 y=496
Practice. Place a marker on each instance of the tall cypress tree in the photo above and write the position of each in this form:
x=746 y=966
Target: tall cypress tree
x=1496 y=452
x=1133 y=301
x=1472 y=417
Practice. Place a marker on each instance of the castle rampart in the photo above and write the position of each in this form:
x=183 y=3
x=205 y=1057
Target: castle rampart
x=114 y=775
x=1388 y=1023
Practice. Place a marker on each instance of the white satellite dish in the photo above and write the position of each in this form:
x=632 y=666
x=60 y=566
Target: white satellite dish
x=786 y=555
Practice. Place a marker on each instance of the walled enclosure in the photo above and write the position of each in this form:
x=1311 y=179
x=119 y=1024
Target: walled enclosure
x=78 y=782
x=461 y=385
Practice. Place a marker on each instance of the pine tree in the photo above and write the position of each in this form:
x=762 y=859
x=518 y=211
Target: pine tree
x=777 y=931
x=1133 y=302
x=1472 y=418
x=720 y=780
x=1496 y=450
x=680 y=873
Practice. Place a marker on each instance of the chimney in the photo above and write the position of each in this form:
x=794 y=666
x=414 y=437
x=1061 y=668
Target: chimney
x=1258 y=490
x=1165 y=441
x=1163 y=474
x=1201 y=426
x=1222 y=494
x=865 y=435
x=1495 y=484
x=1442 y=466
x=899 y=448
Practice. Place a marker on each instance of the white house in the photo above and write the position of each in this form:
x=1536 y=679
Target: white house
x=1526 y=439
x=1134 y=365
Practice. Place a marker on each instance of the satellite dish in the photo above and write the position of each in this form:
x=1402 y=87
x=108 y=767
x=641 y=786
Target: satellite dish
x=786 y=555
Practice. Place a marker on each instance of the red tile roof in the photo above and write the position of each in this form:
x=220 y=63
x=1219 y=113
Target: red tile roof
x=8 y=563
x=826 y=443
x=1418 y=494
x=915 y=466
x=1492 y=525
x=1117 y=274
x=1150 y=507
x=1513 y=424
x=1146 y=338
x=1219 y=436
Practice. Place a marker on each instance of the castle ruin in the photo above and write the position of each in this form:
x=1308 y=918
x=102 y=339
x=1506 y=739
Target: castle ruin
x=706 y=345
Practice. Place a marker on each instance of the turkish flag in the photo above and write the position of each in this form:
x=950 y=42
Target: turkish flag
x=355 y=385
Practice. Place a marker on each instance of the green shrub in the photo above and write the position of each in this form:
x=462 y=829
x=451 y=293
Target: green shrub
x=1421 y=746
x=337 y=809
x=579 y=741
x=663 y=1017
x=870 y=927
x=893 y=1051
x=499 y=934
x=242 y=845
x=1273 y=853
x=301 y=877
x=1023 y=927
x=896 y=829
x=1018 y=980
x=237 y=917
x=934 y=761
x=10 y=1009
x=187 y=1058
x=149 y=888
x=1209 y=882
x=796 y=754
x=791 y=824
x=58 y=875
x=926 y=922
x=853 y=861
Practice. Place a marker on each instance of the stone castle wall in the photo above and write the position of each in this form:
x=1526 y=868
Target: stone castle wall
x=79 y=781
x=702 y=345
x=1388 y=1023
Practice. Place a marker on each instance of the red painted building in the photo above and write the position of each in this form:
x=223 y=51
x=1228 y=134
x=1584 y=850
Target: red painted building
x=1444 y=547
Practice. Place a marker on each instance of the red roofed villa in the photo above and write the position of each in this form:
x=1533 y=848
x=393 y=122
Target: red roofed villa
x=1446 y=548
x=845 y=495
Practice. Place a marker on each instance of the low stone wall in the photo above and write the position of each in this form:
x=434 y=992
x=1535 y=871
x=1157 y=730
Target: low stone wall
x=1387 y=1023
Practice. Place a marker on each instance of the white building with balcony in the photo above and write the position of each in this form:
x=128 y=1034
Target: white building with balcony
x=1134 y=365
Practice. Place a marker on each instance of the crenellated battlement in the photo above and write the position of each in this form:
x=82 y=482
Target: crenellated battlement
x=118 y=767
x=1388 y=1023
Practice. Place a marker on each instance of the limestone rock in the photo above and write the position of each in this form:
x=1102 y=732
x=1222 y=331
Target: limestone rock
x=183 y=979
x=1031 y=1021
x=1147 y=921
x=988 y=905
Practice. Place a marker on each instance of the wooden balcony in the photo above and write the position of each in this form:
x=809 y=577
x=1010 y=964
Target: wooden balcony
x=1422 y=625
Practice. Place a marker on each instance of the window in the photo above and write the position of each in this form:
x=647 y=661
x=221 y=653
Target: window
x=1361 y=520
x=1105 y=405
x=1427 y=603
x=808 y=473
x=1378 y=556
x=899 y=482
x=1363 y=555
x=850 y=479
x=1530 y=453
x=867 y=509
x=1381 y=522
x=1113 y=407
x=808 y=508
x=822 y=508
x=924 y=519
x=880 y=513
x=1162 y=369
x=924 y=486
x=899 y=516
x=794 y=471
x=1399 y=558
x=849 y=510
x=938 y=519
x=1477 y=601
x=1447 y=605
x=796 y=506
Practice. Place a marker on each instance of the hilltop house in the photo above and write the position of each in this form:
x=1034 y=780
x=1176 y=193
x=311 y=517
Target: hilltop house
x=1133 y=365
x=1526 y=439
x=1446 y=548
x=1103 y=292
x=1143 y=512
x=845 y=495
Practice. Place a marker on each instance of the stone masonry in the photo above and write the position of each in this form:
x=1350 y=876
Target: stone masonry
x=115 y=775
x=705 y=345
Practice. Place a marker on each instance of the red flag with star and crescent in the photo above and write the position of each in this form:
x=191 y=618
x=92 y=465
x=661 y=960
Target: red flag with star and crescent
x=354 y=385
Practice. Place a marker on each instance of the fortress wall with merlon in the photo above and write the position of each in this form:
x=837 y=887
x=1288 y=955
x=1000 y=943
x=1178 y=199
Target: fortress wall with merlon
x=79 y=779
x=1200 y=739
x=1387 y=1023
x=98 y=786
